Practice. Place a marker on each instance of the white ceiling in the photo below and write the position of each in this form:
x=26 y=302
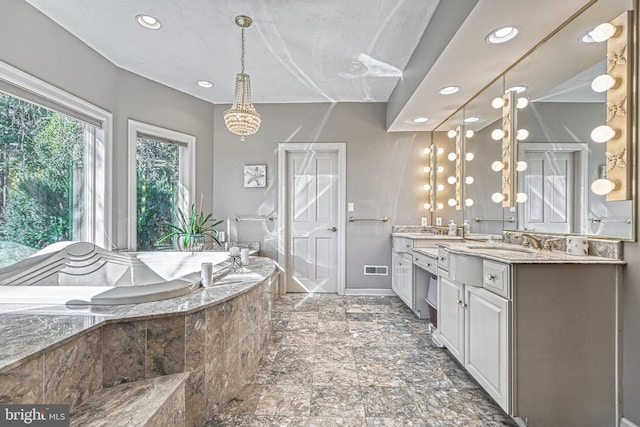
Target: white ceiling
x=296 y=50
x=310 y=50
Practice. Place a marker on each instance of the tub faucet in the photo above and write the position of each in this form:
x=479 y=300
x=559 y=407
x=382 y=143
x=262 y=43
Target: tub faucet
x=534 y=241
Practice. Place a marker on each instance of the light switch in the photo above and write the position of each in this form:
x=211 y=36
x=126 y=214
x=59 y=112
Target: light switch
x=350 y=207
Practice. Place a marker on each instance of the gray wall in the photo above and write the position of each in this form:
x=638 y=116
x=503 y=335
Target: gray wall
x=384 y=176
x=36 y=45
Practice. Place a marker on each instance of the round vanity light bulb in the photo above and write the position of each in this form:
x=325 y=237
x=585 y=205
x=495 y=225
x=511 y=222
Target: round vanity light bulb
x=427 y=206
x=497 y=102
x=497 y=134
x=497 y=166
x=521 y=166
x=440 y=206
x=603 y=32
x=602 y=186
x=452 y=133
x=440 y=150
x=469 y=156
x=426 y=187
x=522 y=103
x=451 y=202
x=469 y=180
x=440 y=169
x=469 y=133
x=522 y=197
x=497 y=197
x=427 y=150
x=468 y=202
x=603 y=83
x=452 y=180
x=427 y=169
x=603 y=133
x=452 y=156
x=440 y=187
x=522 y=134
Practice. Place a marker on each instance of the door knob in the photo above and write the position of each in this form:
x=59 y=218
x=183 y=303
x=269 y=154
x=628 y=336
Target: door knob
x=332 y=229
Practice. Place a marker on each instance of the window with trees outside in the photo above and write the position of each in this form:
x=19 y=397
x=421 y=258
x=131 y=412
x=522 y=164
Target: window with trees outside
x=162 y=176
x=53 y=167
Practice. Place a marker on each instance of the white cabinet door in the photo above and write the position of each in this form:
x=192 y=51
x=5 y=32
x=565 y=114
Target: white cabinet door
x=451 y=316
x=486 y=342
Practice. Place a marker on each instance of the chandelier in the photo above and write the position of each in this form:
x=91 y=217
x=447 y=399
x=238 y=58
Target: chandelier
x=242 y=118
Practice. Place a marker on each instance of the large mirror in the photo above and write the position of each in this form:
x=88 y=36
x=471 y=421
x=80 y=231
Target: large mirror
x=562 y=159
x=481 y=150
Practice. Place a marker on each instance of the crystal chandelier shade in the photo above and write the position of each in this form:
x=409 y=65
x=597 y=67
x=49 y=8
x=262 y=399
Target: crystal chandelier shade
x=242 y=118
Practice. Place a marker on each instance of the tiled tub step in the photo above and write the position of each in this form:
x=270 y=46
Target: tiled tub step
x=154 y=402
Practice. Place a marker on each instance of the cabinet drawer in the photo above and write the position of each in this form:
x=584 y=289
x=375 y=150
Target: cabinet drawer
x=443 y=259
x=426 y=263
x=496 y=278
x=401 y=244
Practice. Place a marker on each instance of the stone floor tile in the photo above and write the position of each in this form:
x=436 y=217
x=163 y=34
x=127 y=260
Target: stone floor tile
x=334 y=353
x=284 y=400
x=389 y=402
x=335 y=375
x=332 y=401
x=337 y=422
x=381 y=375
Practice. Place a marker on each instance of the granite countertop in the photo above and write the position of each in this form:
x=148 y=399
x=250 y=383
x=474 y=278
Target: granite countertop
x=430 y=252
x=516 y=254
x=425 y=236
x=28 y=329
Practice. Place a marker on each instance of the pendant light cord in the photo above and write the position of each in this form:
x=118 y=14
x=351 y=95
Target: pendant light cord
x=242 y=56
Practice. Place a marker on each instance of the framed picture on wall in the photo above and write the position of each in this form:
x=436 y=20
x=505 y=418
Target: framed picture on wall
x=255 y=176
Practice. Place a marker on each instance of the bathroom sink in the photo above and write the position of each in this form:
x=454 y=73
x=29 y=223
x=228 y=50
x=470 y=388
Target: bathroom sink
x=509 y=248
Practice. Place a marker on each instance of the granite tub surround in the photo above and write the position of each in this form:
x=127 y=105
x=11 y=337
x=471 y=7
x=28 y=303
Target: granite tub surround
x=217 y=335
x=356 y=361
x=155 y=402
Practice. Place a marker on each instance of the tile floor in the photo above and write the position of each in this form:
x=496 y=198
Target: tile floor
x=356 y=361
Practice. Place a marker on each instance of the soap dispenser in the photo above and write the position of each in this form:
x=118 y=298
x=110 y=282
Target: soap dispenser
x=452 y=228
x=466 y=227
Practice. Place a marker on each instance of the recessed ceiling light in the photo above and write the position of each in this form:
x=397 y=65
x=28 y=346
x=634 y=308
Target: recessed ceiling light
x=448 y=90
x=420 y=120
x=472 y=119
x=148 y=21
x=516 y=89
x=587 y=38
x=502 y=35
x=205 y=83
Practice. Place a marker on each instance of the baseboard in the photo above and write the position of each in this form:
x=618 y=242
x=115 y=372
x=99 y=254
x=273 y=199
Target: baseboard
x=626 y=423
x=373 y=292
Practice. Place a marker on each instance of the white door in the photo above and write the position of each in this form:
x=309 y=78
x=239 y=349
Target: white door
x=313 y=221
x=549 y=185
x=486 y=342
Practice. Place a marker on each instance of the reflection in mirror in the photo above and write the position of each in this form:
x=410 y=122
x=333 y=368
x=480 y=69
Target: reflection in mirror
x=563 y=159
x=482 y=149
x=448 y=145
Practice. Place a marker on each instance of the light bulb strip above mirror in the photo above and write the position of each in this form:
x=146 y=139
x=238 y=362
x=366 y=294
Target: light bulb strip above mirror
x=430 y=171
x=618 y=116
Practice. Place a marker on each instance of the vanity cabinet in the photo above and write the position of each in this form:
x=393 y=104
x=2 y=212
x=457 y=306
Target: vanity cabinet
x=411 y=271
x=543 y=339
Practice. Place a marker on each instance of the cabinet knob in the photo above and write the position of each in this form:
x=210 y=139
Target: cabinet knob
x=491 y=277
x=459 y=302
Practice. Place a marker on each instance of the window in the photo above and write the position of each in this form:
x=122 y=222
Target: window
x=161 y=174
x=53 y=167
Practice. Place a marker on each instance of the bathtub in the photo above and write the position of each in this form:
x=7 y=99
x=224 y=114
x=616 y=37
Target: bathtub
x=82 y=273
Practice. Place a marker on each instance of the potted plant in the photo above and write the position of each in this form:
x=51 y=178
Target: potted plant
x=190 y=229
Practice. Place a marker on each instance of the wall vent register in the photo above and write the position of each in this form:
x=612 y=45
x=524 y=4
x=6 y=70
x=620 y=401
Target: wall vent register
x=376 y=270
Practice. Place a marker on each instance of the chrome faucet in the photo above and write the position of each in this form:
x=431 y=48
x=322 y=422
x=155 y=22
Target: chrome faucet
x=534 y=241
